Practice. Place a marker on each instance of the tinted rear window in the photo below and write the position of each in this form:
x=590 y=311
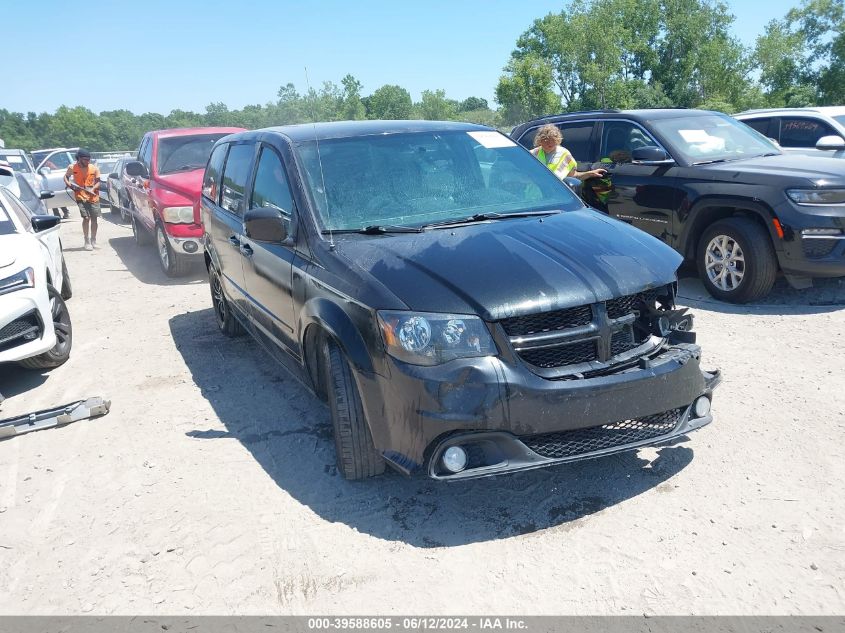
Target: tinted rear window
x=184 y=153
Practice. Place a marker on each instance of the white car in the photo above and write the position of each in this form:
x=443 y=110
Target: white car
x=818 y=131
x=35 y=327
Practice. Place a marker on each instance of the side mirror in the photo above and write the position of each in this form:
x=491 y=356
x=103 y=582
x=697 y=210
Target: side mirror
x=44 y=222
x=136 y=169
x=651 y=155
x=113 y=175
x=44 y=170
x=575 y=185
x=831 y=142
x=44 y=195
x=265 y=225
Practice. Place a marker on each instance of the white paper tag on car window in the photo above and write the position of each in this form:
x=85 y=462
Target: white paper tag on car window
x=694 y=136
x=491 y=140
x=14 y=159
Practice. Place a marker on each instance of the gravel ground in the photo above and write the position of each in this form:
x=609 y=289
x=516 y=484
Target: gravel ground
x=210 y=488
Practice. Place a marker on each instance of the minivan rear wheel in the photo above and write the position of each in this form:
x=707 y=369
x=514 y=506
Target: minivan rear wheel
x=736 y=260
x=357 y=457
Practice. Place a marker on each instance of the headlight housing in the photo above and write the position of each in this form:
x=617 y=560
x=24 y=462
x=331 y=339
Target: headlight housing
x=22 y=279
x=427 y=338
x=178 y=215
x=816 y=196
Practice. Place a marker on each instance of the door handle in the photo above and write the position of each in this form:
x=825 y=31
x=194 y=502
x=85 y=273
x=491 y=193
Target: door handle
x=246 y=250
x=234 y=241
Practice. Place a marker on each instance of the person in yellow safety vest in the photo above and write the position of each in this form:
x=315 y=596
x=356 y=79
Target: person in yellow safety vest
x=558 y=159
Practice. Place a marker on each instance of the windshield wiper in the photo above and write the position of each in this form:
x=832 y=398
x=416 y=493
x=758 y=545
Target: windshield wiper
x=714 y=161
x=378 y=229
x=483 y=217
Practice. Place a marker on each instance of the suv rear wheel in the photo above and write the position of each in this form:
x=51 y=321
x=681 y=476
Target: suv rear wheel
x=357 y=457
x=736 y=261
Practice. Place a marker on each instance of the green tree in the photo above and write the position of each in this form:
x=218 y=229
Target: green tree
x=473 y=103
x=434 y=106
x=525 y=90
x=352 y=107
x=390 y=102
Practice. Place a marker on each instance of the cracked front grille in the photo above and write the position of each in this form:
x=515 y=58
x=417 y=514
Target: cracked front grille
x=596 y=438
x=626 y=305
x=12 y=334
x=547 y=321
x=580 y=352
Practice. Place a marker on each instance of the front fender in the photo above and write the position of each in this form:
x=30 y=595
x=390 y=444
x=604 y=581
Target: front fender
x=337 y=323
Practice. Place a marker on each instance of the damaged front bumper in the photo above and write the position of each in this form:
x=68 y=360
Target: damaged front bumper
x=506 y=418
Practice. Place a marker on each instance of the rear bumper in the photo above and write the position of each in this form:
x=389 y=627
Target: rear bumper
x=417 y=412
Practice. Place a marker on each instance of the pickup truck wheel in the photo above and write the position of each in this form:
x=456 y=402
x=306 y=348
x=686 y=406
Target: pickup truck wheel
x=226 y=321
x=356 y=455
x=171 y=263
x=64 y=336
x=736 y=260
x=142 y=238
x=67 y=289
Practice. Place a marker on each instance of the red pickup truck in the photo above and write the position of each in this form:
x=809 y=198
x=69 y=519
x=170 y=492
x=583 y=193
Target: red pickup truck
x=163 y=188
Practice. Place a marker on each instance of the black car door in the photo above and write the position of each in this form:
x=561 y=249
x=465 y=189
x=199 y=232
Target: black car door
x=646 y=196
x=268 y=266
x=223 y=203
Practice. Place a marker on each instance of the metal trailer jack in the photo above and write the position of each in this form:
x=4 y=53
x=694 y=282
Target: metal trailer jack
x=58 y=416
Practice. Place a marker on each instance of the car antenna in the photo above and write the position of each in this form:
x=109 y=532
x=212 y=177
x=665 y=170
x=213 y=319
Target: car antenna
x=320 y=162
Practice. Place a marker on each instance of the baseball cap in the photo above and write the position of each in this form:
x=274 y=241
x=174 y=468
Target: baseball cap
x=83 y=153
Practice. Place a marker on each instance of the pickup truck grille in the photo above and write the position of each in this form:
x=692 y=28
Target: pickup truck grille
x=581 y=335
x=597 y=438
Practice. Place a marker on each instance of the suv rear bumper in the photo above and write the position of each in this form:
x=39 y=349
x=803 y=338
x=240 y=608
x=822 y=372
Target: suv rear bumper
x=415 y=413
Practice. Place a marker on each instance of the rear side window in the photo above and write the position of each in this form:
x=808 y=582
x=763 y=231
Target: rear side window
x=271 y=188
x=761 y=125
x=145 y=152
x=211 y=180
x=576 y=138
x=235 y=175
x=801 y=132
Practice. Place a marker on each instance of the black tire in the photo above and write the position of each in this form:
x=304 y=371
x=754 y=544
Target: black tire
x=67 y=289
x=758 y=267
x=226 y=320
x=124 y=208
x=357 y=457
x=172 y=264
x=64 y=336
x=142 y=238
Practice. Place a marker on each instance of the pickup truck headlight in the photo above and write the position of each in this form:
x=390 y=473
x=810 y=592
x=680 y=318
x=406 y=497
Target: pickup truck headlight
x=816 y=196
x=22 y=279
x=178 y=215
x=425 y=338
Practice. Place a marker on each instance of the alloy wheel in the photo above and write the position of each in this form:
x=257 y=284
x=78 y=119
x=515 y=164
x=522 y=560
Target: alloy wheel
x=61 y=324
x=163 y=249
x=724 y=263
x=221 y=310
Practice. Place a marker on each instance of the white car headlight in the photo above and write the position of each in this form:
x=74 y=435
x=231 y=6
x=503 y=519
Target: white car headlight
x=178 y=215
x=816 y=196
x=425 y=338
x=22 y=279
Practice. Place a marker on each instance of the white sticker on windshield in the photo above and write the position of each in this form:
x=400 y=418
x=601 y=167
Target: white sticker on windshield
x=14 y=159
x=492 y=140
x=694 y=136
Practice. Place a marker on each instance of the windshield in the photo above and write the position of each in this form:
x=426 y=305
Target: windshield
x=703 y=139
x=423 y=177
x=17 y=162
x=106 y=166
x=184 y=153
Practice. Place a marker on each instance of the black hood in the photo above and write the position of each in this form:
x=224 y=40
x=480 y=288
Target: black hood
x=786 y=169
x=510 y=267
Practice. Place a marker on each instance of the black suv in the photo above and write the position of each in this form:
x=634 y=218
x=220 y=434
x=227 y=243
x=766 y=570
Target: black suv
x=461 y=310
x=718 y=192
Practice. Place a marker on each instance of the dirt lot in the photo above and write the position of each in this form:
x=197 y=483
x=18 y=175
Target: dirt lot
x=210 y=487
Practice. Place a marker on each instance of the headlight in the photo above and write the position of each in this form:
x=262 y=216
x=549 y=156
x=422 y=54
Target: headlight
x=424 y=338
x=22 y=279
x=178 y=215
x=816 y=196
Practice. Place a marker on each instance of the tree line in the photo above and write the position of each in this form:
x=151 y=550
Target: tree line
x=594 y=54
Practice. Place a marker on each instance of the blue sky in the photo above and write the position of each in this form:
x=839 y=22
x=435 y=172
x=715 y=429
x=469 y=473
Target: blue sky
x=156 y=56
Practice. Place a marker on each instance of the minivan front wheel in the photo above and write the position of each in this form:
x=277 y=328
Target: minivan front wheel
x=736 y=260
x=357 y=457
x=226 y=321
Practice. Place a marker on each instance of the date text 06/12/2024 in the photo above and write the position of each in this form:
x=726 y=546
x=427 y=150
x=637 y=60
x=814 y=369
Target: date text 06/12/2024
x=416 y=623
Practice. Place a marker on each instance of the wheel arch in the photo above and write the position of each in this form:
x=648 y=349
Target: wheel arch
x=706 y=212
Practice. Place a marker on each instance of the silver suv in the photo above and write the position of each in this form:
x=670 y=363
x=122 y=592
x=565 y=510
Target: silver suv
x=815 y=131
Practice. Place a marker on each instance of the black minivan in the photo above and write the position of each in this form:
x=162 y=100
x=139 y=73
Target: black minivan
x=460 y=309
